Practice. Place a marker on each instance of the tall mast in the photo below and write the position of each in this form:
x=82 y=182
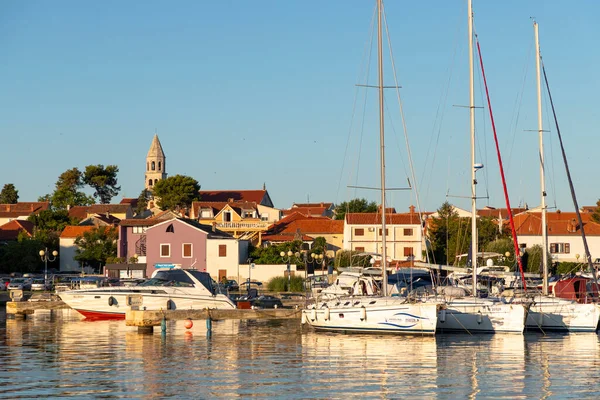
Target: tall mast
x=542 y=175
x=473 y=170
x=382 y=146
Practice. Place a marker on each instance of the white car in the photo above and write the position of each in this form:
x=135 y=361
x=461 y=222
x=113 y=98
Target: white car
x=39 y=284
x=20 y=284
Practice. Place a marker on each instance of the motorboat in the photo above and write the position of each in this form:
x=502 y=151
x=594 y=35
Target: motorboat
x=173 y=289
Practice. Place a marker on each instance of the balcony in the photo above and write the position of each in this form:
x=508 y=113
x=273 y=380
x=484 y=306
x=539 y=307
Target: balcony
x=243 y=226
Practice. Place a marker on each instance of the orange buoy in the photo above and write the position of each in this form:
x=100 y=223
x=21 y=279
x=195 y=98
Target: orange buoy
x=188 y=323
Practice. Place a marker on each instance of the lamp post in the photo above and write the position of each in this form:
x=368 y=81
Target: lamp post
x=45 y=258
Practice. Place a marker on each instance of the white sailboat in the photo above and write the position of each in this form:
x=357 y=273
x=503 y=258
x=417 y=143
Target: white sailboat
x=472 y=313
x=383 y=313
x=549 y=312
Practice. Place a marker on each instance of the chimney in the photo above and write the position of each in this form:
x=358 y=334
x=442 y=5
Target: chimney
x=412 y=209
x=214 y=226
x=230 y=200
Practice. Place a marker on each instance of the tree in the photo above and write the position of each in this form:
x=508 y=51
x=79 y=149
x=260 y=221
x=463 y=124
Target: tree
x=103 y=181
x=48 y=225
x=176 y=192
x=96 y=246
x=272 y=254
x=67 y=192
x=349 y=258
x=596 y=214
x=355 y=206
x=142 y=201
x=9 y=195
x=21 y=256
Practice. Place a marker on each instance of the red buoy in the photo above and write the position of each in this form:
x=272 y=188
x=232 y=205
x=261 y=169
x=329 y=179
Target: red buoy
x=188 y=323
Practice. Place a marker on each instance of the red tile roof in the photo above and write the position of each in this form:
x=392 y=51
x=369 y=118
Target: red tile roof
x=285 y=237
x=310 y=205
x=375 y=218
x=22 y=209
x=255 y=196
x=310 y=225
x=130 y=200
x=558 y=223
x=495 y=212
x=75 y=231
x=307 y=211
x=82 y=212
x=11 y=230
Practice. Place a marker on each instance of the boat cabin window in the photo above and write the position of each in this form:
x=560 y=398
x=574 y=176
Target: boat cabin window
x=174 y=277
x=205 y=279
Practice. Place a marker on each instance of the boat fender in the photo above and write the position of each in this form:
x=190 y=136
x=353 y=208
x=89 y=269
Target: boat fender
x=304 y=319
x=313 y=314
x=170 y=305
x=363 y=313
x=479 y=317
x=112 y=301
x=327 y=314
x=442 y=317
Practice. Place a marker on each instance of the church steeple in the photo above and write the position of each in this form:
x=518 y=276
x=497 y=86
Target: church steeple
x=156 y=164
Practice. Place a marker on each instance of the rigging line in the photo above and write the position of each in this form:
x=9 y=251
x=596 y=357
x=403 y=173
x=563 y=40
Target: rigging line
x=588 y=256
x=440 y=113
x=368 y=45
x=516 y=113
x=408 y=151
x=507 y=199
x=553 y=181
x=483 y=153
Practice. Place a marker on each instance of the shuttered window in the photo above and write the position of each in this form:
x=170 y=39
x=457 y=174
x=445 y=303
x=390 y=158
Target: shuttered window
x=187 y=250
x=222 y=250
x=165 y=250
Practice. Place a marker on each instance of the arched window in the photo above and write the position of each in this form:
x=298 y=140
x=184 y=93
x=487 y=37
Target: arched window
x=149 y=182
x=156 y=180
x=159 y=165
x=170 y=228
x=153 y=166
x=147 y=166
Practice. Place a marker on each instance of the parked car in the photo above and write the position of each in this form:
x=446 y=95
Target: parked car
x=266 y=301
x=40 y=284
x=20 y=284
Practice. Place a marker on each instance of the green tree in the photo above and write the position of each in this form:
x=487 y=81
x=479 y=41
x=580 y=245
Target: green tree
x=272 y=254
x=596 y=214
x=176 y=192
x=21 y=256
x=142 y=201
x=532 y=256
x=349 y=258
x=103 y=181
x=67 y=191
x=48 y=225
x=96 y=246
x=9 y=194
x=355 y=206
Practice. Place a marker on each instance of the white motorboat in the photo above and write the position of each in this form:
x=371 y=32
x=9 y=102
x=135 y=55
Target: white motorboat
x=168 y=290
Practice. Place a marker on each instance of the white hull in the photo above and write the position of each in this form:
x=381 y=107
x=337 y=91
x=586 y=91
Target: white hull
x=475 y=315
x=556 y=314
x=372 y=314
x=97 y=303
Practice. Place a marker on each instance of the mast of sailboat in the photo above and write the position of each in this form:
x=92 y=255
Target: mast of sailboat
x=382 y=146
x=542 y=175
x=473 y=170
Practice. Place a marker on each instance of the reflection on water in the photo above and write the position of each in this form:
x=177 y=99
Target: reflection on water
x=59 y=355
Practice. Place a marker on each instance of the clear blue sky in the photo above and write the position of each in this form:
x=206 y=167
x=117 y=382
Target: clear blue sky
x=243 y=93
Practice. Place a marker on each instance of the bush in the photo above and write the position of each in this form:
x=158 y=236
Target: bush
x=568 y=267
x=280 y=284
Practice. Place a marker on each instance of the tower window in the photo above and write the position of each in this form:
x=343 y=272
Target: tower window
x=153 y=166
x=147 y=166
x=159 y=165
x=149 y=182
x=156 y=180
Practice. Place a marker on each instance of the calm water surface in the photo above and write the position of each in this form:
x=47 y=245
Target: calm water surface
x=58 y=355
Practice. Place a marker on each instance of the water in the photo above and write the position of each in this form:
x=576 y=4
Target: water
x=58 y=355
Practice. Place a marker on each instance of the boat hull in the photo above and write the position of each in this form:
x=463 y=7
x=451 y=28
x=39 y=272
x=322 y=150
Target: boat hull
x=373 y=315
x=113 y=304
x=474 y=315
x=555 y=314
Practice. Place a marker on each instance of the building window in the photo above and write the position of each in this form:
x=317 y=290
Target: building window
x=386 y=232
x=187 y=250
x=205 y=214
x=139 y=229
x=408 y=232
x=156 y=180
x=149 y=182
x=359 y=232
x=361 y=249
x=560 y=248
x=147 y=166
x=159 y=165
x=165 y=250
x=222 y=250
x=170 y=229
x=408 y=252
x=227 y=216
x=153 y=164
x=264 y=217
x=248 y=214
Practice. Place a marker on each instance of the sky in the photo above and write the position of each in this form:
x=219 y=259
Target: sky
x=247 y=93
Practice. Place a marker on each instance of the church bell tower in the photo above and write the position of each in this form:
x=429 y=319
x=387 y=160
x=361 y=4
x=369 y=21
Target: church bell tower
x=156 y=164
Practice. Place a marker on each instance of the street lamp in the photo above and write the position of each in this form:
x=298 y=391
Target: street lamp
x=45 y=258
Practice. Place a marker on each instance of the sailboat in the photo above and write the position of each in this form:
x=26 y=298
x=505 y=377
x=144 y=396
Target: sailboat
x=472 y=313
x=382 y=313
x=550 y=312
